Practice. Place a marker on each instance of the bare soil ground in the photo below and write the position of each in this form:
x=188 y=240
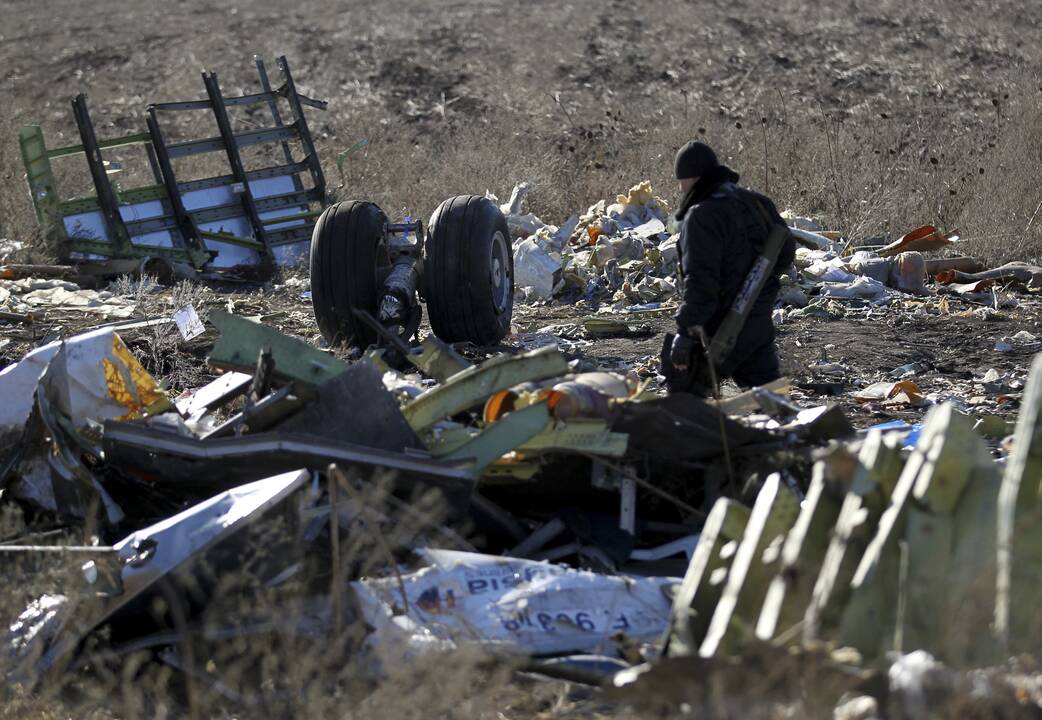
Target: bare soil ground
x=951 y=353
x=874 y=116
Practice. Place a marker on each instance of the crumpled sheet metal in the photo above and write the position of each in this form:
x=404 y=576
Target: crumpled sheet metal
x=157 y=551
x=101 y=380
x=381 y=425
x=18 y=383
x=92 y=376
x=682 y=427
x=191 y=461
x=866 y=522
x=471 y=387
x=922 y=239
x=521 y=606
x=88 y=378
x=1023 y=273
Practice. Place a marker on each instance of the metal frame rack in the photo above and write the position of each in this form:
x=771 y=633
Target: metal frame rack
x=243 y=220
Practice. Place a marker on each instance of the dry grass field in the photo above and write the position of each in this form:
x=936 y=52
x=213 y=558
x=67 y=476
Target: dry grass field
x=875 y=116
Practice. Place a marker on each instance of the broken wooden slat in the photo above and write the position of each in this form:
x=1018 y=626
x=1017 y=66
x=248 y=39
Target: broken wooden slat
x=694 y=603
x=805 y=546
x=879 y=464
x=735 y=616
x=472 y=386
x=971 y=578
x=932 y=585
x=941 y=460
x=1018 y=602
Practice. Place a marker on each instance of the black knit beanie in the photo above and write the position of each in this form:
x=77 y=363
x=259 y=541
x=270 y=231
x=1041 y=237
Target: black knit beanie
x=694 y=160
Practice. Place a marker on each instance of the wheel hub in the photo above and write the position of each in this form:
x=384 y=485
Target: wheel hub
x=499 y=272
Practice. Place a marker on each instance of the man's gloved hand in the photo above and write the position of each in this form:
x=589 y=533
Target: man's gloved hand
x=684 y=347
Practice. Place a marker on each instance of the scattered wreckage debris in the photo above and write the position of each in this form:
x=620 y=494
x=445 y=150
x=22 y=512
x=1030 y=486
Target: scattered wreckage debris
x=1029 y=276
x=622 y=255
x=922 y=239
x=886 y=552
x=243 y=224
x=575 y=522
x=516 y=604
x=645 y=564
x=100 y=443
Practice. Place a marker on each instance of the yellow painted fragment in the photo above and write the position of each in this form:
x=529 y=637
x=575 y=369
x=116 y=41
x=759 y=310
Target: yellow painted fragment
x=130 y=385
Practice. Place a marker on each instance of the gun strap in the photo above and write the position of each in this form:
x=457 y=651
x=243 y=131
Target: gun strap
x=726 y=336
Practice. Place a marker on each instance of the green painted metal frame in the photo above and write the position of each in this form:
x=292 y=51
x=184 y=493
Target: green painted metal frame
x=589 y=436
x=43 y=188
x=189 y=235
x=472 y=386
x=506 y=434
x=704 y=580
x=1019 y=528
x=188 y=239
x=242 y=340
x=231 y=149
x=107 y=200
x=736 y=614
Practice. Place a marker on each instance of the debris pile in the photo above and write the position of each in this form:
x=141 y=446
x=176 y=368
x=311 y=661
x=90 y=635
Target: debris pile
x=92 y=440
x=623 y=255
x=919 y=277
x=24 y=299
x=515 y=504
x=430 y=497
x=423 y=498
x=888 y=551
x=618 y=251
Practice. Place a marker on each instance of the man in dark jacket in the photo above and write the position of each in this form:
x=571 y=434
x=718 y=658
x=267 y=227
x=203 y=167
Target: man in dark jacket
x=721 y=236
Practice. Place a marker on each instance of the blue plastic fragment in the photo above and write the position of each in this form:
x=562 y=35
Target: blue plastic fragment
x=913 y=436
x=913 y=431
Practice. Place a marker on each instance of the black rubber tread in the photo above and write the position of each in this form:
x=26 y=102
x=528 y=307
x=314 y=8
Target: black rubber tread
x=456 y=276
x=344 y=260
